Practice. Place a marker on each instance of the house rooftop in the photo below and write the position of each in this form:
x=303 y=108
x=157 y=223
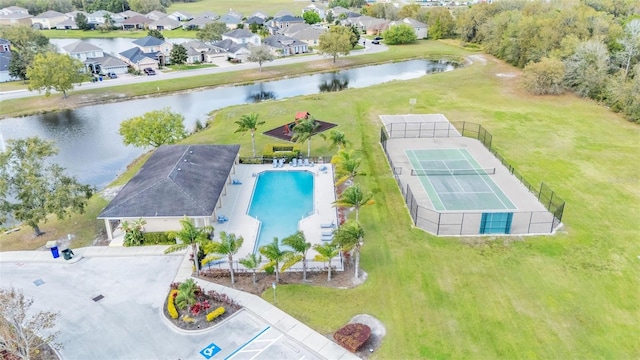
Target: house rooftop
x=148 y=41
x=177 y=180
x=80 y=46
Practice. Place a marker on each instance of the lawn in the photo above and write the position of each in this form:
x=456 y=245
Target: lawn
x=131 y=34
x=571 y=295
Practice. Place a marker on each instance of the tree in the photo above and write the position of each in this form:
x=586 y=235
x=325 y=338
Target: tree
x=133 y=232
x=630 y=45
x=400 y=34
x=22 y=331
x=335 y=42
x=26 y=42
x=228 y=246
x=544 y=77
x=260 y=54
x=193 y=236
x=311 y=17
x=31 y=188
x=304 y=130
x=326 y=252
x=212 y=32
x=249 y=122
x=52 y=71
x=586 y=69
x=347 y=166
x=348 y=237
x=409 y=11
x=251 y=262
x=107 y=25
x=146 y=6
x=440 y=23
x=178 y=54
x=187 y=293
x=155 y=33
x=623 y=94
x=275 y=255
x=298 y=243
x=329 y=17
x=82 y=22
x=353 y=197
x=336 y=138
x=154 y=128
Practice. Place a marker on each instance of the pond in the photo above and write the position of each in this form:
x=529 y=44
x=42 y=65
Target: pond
x=91 y=149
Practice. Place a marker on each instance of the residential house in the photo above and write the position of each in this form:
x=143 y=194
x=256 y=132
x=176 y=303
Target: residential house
x=198 y=23
x=232 y=49
x=136 y=22
x=69 y=24
x=310 y=35
x=282 y=13
x=337 y=11
x=155 y=15
x=242 y=36
x=367 y=24
x=129 y=14
x=5 y=59
x=319 y=9
x=181 y=16
x=254 y=20
x=230 y=20
x=286 y=21
x=282 y=45
x=96 y=61
x=98 y=17
x=15 y=15
x=418 y=27
x=235 y=14
x=48 y=20
x=138 y=59
x=260 y=14
x=199 y=52
x=176 y=181
x=165 y=23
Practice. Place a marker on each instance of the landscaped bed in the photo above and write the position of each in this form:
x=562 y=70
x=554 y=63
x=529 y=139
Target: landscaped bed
x=190 y=308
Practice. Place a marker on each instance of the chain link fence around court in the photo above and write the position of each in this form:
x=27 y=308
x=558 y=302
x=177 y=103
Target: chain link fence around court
x=467 y=223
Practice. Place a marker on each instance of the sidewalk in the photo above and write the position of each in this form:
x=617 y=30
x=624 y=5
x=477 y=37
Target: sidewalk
x=292 y=328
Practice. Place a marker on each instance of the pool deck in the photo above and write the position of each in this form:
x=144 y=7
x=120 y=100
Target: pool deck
x=235 y=205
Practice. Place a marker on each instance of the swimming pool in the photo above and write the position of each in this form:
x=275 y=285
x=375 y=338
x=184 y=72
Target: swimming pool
x=279 y=200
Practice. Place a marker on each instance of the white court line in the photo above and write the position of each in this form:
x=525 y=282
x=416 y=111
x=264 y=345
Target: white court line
x=430 y=183
x=470 y=192
x=454 y=177
x=483 y=180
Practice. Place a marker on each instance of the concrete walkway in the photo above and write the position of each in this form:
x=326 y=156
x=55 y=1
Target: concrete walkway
x=286 y=331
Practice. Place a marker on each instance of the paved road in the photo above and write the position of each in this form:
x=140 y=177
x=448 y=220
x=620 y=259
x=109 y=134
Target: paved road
x=124 y=80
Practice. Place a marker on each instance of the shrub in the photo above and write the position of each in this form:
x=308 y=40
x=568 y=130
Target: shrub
x=171 y=305
x=223 y=298
x=215 y=314
x=188 y=319
x=156 y=238
x=281 y=151
x=352 y=336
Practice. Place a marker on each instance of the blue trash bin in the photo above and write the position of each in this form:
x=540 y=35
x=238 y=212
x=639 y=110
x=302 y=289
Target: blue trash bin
x=54 y=252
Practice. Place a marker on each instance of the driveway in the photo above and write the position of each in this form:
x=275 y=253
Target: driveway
x=127 y=323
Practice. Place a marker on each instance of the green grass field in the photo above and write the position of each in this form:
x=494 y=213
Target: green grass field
x=571 y=295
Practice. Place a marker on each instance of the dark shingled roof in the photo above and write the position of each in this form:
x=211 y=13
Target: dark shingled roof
x=177 y=180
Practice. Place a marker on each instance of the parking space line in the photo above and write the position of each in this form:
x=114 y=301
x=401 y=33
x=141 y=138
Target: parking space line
x=266 y=347
x=247 y=343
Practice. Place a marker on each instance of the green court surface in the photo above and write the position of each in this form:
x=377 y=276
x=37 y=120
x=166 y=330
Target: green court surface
x=454 y=181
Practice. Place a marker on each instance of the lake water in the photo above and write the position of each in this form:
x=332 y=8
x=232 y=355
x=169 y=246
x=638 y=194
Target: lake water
x=91 y=149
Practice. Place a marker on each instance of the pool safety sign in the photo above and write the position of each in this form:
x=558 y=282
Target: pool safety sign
x=210 y=350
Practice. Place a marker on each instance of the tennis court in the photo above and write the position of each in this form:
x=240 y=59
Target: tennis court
x=454 y=181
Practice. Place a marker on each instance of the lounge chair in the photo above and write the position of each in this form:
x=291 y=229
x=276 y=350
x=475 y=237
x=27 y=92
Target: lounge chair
x=275 y=163
x=328 y=226
x=329 y=233
x=222 y=219
x=281 y=163
x=327 y=238
x=306 y=162
x=294 y=162
x=236 y=182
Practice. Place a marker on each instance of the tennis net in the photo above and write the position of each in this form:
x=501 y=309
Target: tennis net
x=450 y=172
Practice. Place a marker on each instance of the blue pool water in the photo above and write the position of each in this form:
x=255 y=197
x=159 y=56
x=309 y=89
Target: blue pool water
x=280 y=199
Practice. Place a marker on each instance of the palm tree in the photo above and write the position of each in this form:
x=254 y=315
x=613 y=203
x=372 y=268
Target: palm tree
x=348 y=237
x=346 y=166
x=228 y=246
x=187 y=293
x=303 y=131
x=353 y=197
x=300 y=246
x=252 y=262
x=326 y=252
x=337 y=138
x=275 y=255
x=249 y=122
x=191 y=235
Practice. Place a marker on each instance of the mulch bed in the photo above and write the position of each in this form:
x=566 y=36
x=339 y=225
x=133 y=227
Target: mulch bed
x=200 y=320
x=279 y=132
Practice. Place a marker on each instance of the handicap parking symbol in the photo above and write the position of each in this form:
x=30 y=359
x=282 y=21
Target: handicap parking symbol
x=210 y=350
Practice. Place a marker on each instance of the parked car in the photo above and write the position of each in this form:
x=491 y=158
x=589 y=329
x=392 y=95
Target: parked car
x=149 y=71
x=378 y=38
x=375 y=42
x=112 y=75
